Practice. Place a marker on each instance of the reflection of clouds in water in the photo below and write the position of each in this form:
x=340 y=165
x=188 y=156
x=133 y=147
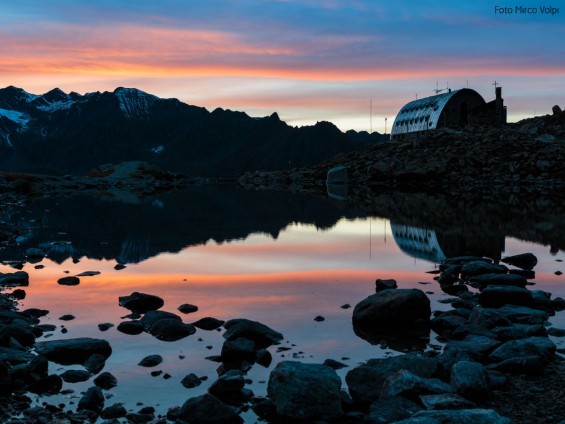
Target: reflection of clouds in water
x=421 y=243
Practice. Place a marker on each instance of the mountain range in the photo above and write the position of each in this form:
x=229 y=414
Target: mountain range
x=69 y=133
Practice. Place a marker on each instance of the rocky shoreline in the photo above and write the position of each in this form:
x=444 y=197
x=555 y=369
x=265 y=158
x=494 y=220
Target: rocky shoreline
x=496 y=363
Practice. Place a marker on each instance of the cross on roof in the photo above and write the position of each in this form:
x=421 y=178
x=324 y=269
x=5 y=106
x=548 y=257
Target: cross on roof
x=495 y=84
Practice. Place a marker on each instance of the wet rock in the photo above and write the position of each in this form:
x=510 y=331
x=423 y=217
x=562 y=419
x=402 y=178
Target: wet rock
x=319 y=318
x=455 y=289
x=487 y=318
x=345 y=306
x=141 y=302
x=381 y=285
x=105 y=326
x=483 y=416
x=95 y=363
x=531 y=365
x=21 y=332
x=50 y=385
x=460 y=260
x=19 y=294
x=170 y=330
x=137 y=418
x=449 y=275
x=238 y=349
x=208 y=323
x=92 y=400
x=392 y=308
x=474 y=268
x=14 y=356
x=130 y=327
x=190 y=381
x=187 y=308
x=525 y=260
x=119 y=267
x=532 y=346
x=556 y=110
x=73 y=351
x=558 y=304
x=228 y=387
x=75 y=376
x=305 y=391
x=522 y=314
x=404 y=383
x=264 y=408
x=263 y=357
x=334 y=365
x=14 y=279
x=470 y=379
x=207 y=409
x=499 y=280
x=68 y=281
x=541 y=300
x=106 y=381
x=528 y=274
x=447 y=322
x=556 y=332
x=259 y=333
x=151 y=361
x=519 y=331
x=478 y=347
x=445 y=401
x=495 y=296
x=151 y=317
x=116 y=410
x=67 y=317
x=391 y=410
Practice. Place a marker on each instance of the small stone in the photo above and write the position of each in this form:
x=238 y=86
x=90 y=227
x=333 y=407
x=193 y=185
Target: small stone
x=151 y=361
x=187 y=308
x=190 y=381
x=106 y=381
x=345 y=306
x=319 y=318
x=67 y=317
x=105 y=326
x=68 y=281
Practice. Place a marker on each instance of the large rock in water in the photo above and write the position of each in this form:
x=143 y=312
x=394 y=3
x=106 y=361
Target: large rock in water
x=14 y=279
x=473 y=268
x=305 y=391
x=141 y=302
x=392 y=308
x=207 y=409
x=524 y=261
x=171 y=330
x=73 y=351
x=259 y=333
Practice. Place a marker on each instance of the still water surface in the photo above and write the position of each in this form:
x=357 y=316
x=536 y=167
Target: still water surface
x=282 y=263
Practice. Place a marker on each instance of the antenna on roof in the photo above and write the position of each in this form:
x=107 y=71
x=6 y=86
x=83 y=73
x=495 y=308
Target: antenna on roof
x=371 y=116
x=438 y=90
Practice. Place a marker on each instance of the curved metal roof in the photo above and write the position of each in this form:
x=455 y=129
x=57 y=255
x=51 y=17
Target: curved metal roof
x=423 y=114
x=420 y=243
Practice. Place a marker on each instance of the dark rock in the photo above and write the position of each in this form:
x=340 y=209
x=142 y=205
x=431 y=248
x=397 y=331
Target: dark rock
x=170 y=330
x=265 y=408
x=228 y=387
x=460 y=416
x=238 y=349
x=392 y=308
x=22 y=333
x=34 y=253
x=207 y=409
x=470 y=379
x=319 y=318
x=190 y=381
x=334 y=365
x=495 y=296
x=14 y=356
x=75 y=376
x=556 y=110
x=525 y=261
x=67 y=317
x=487 y=318
x=345 y=306
x=558 y=273
x=449 y=276
x=130 y=327
x=14 y=279
x=305 y=391
x=391 y=410
x=137 y=418
x=519 y=331
x=522 y=314
x=556 y=332
x=116 y=410
x=151 y=361
x=95 y=363
x=261 y=335
x=34 y=312
x=531 y=365
x=106 y=381
x=445 y=401
x=558 y=304
x=50 y=385
x=105 y=326
x=499 y=280
x=187 y=308
x=528 y=274
x=478 y=347
x=455 y=289
x=263 y=357
x=208 y=323
x=119 y=267
x=474 y=268
x=93 y=400
x=18 y=294
x=532 y=346
x=542 y=300
x=141 y=302
x=151 y=317
x=459 y=260
x=88 y=274
x=404 y=383
x=447 y=322
x=73 y=351
x=381 y=285
x=68 y=281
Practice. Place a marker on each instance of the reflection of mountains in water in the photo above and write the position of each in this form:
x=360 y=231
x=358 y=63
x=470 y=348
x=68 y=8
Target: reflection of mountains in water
x=129 y=233
x=436 y=246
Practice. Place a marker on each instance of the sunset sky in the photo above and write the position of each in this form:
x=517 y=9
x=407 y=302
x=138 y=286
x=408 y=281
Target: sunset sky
x=308 y=60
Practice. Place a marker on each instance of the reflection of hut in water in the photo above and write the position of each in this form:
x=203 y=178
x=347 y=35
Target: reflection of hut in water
x=420 y=243
x=435 y=246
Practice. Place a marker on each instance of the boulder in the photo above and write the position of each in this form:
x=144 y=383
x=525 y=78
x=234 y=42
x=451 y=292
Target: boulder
x=130 y=327
x=445 y=401
x=404 y=383
x=556 y=110
x=151 y=361
x=542 y=300
x=474 y=268
x=190 y=381
x=14 y=279
x=208 y=323
x=470 y=379
x=487 y=318
x=496 y=296
x=141 y=302
x=499 y=280
x=187 y=308
x=68 y=281
x=449 y=275
x=532 y=346
x=459 y=416
x=116 y=410
x=478 y=347
x=391 y=410
x=519 y=331
x=392 y=308
x=305 y=391
x=523 y=315
x=208 y=409
x=170 y=330
x=106 y=381
x=259 y=333
x=75 y=376
x=73 y=351
x=228 y=387
x=381 y=285
x=238 y=349
x=92 y=400
x=531 y=365
x=151 y=317
x=525 y=260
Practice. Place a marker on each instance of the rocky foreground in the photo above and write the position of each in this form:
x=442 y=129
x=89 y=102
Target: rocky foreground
x=525 y=156
x=497 y=363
